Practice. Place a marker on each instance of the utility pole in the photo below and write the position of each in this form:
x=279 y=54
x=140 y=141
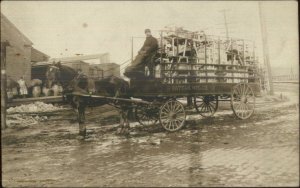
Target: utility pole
x=131 y=49
x=292 y=73
x=265 y=47
x=225 y=22
x=3 y=84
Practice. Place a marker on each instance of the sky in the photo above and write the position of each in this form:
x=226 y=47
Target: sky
x=65 y=28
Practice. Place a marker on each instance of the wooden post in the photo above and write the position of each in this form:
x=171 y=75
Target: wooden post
x=185 y=43
x=225 y=22
x=254 y=62
x=219 y=51
x=244 y=52
x=265 y=47
x=3 y=84
x=173 y=46
x=131 y=49
x=161 y=51
x=231 y=55
x=177 y=45
x=205 y=50
x=205 y=53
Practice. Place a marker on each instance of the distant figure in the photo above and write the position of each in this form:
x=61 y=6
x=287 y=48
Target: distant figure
x=144 y=56
x=23 y=87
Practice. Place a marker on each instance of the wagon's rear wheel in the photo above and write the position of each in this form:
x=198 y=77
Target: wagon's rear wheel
x=206 y=105
x=146 y=115
x=242 y=101
x=172 y=115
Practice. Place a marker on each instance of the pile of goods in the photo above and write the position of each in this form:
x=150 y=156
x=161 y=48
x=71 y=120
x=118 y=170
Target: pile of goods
x=35 y=89
x=205 y=58
x=22 y=116
x=35 y=82
x=218 y=50
x=34 y=107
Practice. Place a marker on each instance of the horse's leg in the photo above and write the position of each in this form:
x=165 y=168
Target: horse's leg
x=80 y=109
x=81 y=120
x=124 y=122
x=121 y=125
x=117 y=93
x=127 y=118
x=75 y=105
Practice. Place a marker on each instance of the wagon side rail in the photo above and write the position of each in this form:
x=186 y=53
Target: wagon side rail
x=110 y=99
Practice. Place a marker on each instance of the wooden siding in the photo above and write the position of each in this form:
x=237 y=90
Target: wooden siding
x=18 y=57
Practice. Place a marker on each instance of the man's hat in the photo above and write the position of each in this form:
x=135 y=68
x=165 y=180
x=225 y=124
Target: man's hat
x=147 y=30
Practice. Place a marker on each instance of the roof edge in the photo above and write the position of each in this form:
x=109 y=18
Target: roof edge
x=13 y=25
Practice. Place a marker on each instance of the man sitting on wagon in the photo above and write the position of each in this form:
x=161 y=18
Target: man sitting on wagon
x=136 y=69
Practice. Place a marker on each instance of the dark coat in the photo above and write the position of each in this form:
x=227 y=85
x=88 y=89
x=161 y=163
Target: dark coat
x=150 y=45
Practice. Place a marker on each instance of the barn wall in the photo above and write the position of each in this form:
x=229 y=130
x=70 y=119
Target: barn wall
x=18 y=63
x=18 y=57
x=37 y=56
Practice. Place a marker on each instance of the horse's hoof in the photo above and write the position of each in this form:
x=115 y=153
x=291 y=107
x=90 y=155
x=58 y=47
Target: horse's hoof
x=123 y=131
x=82 y=133
x=119 y=131
x=126 y=131
x=79 y=137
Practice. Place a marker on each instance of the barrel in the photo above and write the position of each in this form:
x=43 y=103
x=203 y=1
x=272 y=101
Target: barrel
x=46 y=91
x=36 y=91
x=35 y=82
x=56 y=90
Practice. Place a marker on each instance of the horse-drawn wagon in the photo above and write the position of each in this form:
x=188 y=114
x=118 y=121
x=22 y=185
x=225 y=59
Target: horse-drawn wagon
x=192 y=65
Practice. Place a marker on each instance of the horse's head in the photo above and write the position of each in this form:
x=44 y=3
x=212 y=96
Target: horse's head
x=52 y=75
x=82 y=84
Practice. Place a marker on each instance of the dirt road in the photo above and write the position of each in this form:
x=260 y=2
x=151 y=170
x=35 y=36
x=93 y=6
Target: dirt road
x=218 y=151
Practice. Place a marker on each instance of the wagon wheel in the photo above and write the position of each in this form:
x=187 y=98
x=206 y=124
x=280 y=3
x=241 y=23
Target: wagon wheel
x=172 y=115
x=206 y=106
x=146 y=115
x=242 y=101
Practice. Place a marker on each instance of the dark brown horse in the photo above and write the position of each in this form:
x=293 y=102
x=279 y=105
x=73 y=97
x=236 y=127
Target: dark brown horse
x=59 y=74
x=75 y=85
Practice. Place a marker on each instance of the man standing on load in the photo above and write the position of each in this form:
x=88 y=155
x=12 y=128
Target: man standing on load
x=144 y=56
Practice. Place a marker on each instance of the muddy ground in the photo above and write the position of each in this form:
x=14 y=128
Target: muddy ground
x=218 y=151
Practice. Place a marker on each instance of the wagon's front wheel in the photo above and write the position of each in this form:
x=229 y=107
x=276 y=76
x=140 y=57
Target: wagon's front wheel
x=242 y=101
x=146 y=115
x=207 y=105
x=172 y=115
